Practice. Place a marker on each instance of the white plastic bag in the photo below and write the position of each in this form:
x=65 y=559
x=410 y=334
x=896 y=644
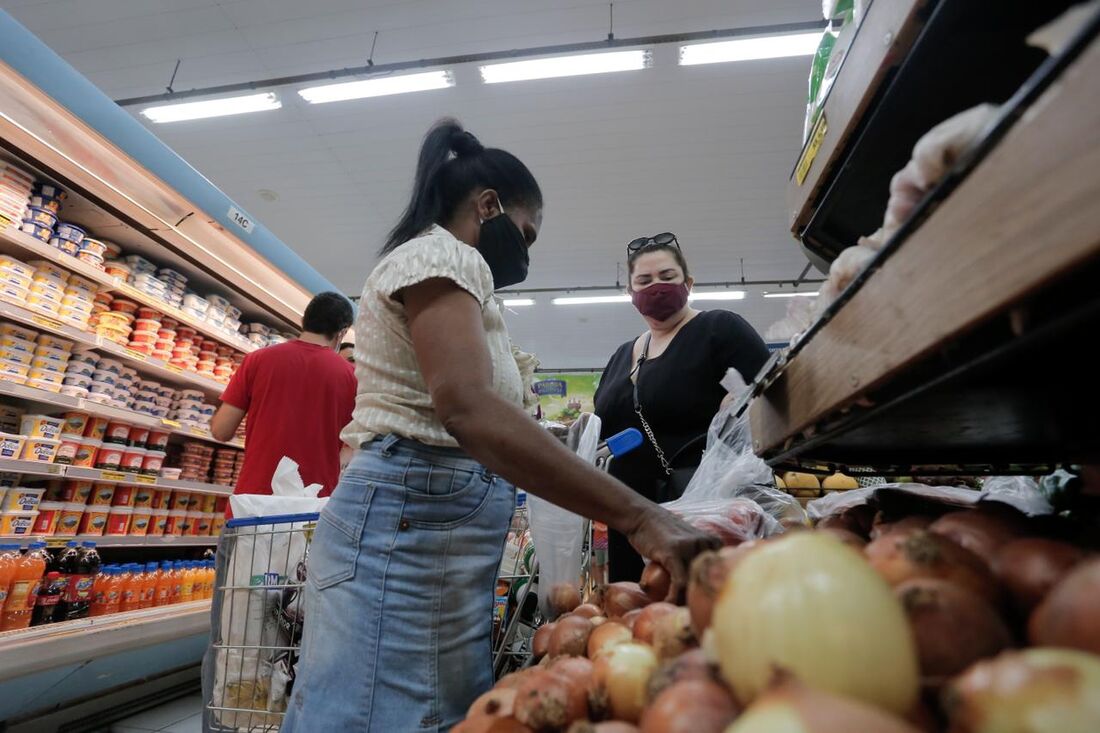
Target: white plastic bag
x=558 y=534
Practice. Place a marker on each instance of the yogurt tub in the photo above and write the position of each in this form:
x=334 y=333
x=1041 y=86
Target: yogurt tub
x=73 y=391
x=176 y=523
x=195 y=524
x=124 y=495
x=158 y=440
x=163 y=355
x=93 y=246
x=138 y=436
x=11 y=446
x=140 y=521
x=110 y=365
x=66 y=452
x=141 y=348
x=161 y=498
x=144 y=497
x=17 y=523
x=78 y=491
x=42 y=450
x=108 y=457
x=36 y=230
x=69 y=522
x=71 y=232
x=217 y=524
x=91 y=259
x=102 y=495
x=132 y=458
x=77 y=381
x=67 y=246
x=117 y=432
x=144 y=337
x=78 y=368
x=152 y=462
x=180 y=500
x=20 y=499
x=171 y=473
x=74 y=423
x=103 y=388
x=147 y=324
x=158 y=523
x=51 y=190
x=102 y=376
x=49 y=517
x=208 y=503
x=118 y=521
x=88 y=359
x=86 y=453
x=41 y=216
x=121 y=305
x=118 y=269
x=49 y=203
x=94 y=520
x=42 y=283
x=40 y=426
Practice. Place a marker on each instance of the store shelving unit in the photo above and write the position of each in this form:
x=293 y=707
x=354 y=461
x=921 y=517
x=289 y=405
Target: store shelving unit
x=55 y=470
x=953 y=350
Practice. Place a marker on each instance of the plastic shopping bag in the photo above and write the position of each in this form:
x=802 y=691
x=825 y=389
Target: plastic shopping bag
x=558 y=534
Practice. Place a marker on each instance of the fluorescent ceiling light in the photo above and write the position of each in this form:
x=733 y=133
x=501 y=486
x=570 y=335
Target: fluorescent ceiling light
x=589 y=63
x=213 y=108
x=591 y=299
x=378 y=87
x=790 y=295
x=749 y=49
x=517 y=302
x=718 y=295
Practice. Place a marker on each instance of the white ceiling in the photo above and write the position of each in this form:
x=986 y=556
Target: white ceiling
x=702 y=151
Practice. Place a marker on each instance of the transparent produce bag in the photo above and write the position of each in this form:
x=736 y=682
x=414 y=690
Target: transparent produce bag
x=558 y=534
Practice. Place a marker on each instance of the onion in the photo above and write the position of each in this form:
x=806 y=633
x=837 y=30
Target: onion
x=564 y=597
x=691 y=665
x=846 y=536
x=1030 y=567
x=1036 y=690
x=794 y=708
x=540 y=643
x=623 y=597
x=621 y=676
x=691 y=706
x=498 y=702
x=655 y=582
x=512 y=679
x=643 y=627
x=916 y=521
x=578 y=671
x=672 y=634
x=707 y=578
x=570 y=636
x=954 y=627
x=548 y=701
x=608 y=726
x=587 y=610
x=607 y=635
x=598 y=620
x=1070 y=615
x=630 y=618
x=907 y=554
x=981 y=531
x=810 y=605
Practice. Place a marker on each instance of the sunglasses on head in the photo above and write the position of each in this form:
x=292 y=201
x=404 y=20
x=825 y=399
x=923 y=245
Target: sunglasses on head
x=658 y=240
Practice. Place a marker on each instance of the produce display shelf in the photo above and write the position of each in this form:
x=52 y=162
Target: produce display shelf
x=119 y=477
x=16 y=241
x=27 y=651
x=952 y=350
x=911 y=65
x=52 y=400
x=109 y=541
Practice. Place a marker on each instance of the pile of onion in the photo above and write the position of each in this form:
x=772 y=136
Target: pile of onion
x=1070 y=614
x=907 y=554
x=795 y=708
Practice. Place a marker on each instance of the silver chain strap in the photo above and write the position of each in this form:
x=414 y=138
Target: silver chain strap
x=653 y=439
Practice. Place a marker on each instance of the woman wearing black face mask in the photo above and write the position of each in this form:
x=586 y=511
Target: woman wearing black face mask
x=670 y=375
x=405 y=556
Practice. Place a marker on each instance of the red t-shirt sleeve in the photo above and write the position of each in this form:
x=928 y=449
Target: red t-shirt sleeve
x=239 y=392
x=347 y=406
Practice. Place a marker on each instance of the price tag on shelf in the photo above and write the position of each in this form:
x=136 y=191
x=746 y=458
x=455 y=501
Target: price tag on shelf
x=199 y=432
x=47 y=322
x=810 y=151
x=113 y=476
x=173 y=368
x=54 y=541
x=145 y=479
x=174 y=424
x=54 y=469
x=135 y=355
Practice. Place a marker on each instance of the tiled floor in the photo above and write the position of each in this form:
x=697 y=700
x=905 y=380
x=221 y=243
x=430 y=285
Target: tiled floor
x=179 y=716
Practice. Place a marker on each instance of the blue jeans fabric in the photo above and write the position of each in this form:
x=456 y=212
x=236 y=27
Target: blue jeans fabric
x=399 y=595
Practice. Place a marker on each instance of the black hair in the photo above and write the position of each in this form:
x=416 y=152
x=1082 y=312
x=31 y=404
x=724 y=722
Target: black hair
x=327 y=314
x=345 y=345
x=452 y=163
x=675 y=251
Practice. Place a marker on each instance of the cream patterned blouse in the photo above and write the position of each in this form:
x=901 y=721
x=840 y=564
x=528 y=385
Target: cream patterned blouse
x=392 y=396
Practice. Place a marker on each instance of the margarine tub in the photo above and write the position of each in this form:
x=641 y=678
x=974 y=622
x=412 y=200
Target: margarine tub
x=13 y=293
x=11 y=278
x=68 y=524
x=21 y=499
x=40 y=449
x=94 y=520
x=19 y=332
x=16 y=266
x=11 y=371
x=48 y=365
x=49 y=341
x=16 y=343
x=41 y=426
x=17 y=523
x=49 y=517
x=19 y=357
x=11 y=446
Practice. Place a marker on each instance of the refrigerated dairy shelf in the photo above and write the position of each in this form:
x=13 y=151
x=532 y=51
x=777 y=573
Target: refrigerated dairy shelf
x=56 y=470
x=111 y=541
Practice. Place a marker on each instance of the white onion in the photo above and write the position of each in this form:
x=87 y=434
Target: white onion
x=811 y=606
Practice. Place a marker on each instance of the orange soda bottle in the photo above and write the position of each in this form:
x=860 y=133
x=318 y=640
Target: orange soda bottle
x=148 y=585
x=164 y=584
x=131 y=588
x=23 y=593
x=9 y=554
x=99 y=591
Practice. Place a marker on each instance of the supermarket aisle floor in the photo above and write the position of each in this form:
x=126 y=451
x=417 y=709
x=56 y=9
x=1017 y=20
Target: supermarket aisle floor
x=179 y=716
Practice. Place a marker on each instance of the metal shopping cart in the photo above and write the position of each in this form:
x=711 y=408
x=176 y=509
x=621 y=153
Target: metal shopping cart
x=516 y=610
x=257 y=617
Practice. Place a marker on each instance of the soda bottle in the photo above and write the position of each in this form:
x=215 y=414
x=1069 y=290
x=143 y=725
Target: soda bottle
x=64 y=560
x=177 y=582
x=208 y=579
x=99 y=591
x=131 y=588
x=82 y=571
x=197 y=574
x=149 y=585
x=186 y=582
x=114 y=590
x=9 y=555
x=164 y=584
x=26 y=580
x=45 y=606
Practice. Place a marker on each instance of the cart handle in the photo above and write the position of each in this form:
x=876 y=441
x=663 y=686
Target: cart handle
x=273 y=519
x=622 y=443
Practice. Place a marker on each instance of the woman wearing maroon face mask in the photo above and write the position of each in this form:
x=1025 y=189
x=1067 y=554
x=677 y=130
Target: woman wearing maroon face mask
x=670 y=375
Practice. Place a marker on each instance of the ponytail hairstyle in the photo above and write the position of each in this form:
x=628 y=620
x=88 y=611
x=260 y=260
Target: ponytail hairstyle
x=453 y=163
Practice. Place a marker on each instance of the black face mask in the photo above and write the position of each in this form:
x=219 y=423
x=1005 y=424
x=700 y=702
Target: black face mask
x=504 y=248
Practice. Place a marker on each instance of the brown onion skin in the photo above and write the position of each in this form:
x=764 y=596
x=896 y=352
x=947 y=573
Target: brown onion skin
x=907 y=554
x=608 y=726
x=498 y=702
x=548 y=701
x=630 y=618
x=672 y=634
x=540 y=643
x=1029 y=568
x=1070 y=614
x=916 y=521
x=983 y=530
x=570 y=637
x=953 y=626
x=564 y=597
x=623 y=597
x=577 y=671
x=643 y=627
x=611 y=632
x=655 y=582
x=691 y=665
x=690 y=706
x=821 y=712
x=706 y=579
x=588 y=610
x=846 y=536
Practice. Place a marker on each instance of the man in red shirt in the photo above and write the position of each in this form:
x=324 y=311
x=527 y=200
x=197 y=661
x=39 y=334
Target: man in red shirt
x=298 y=397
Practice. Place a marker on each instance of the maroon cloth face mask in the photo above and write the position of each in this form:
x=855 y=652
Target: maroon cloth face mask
x=660 y=301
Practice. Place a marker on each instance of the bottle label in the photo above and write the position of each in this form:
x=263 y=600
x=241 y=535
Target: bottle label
x=112 y=597
x=3 y=596
x=20 y=593
x=80 y=589
x=60 y=585
x=47 y=599
x=128 y=596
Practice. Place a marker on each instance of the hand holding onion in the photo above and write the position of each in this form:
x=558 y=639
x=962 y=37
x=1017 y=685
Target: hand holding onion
x=672 y=543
